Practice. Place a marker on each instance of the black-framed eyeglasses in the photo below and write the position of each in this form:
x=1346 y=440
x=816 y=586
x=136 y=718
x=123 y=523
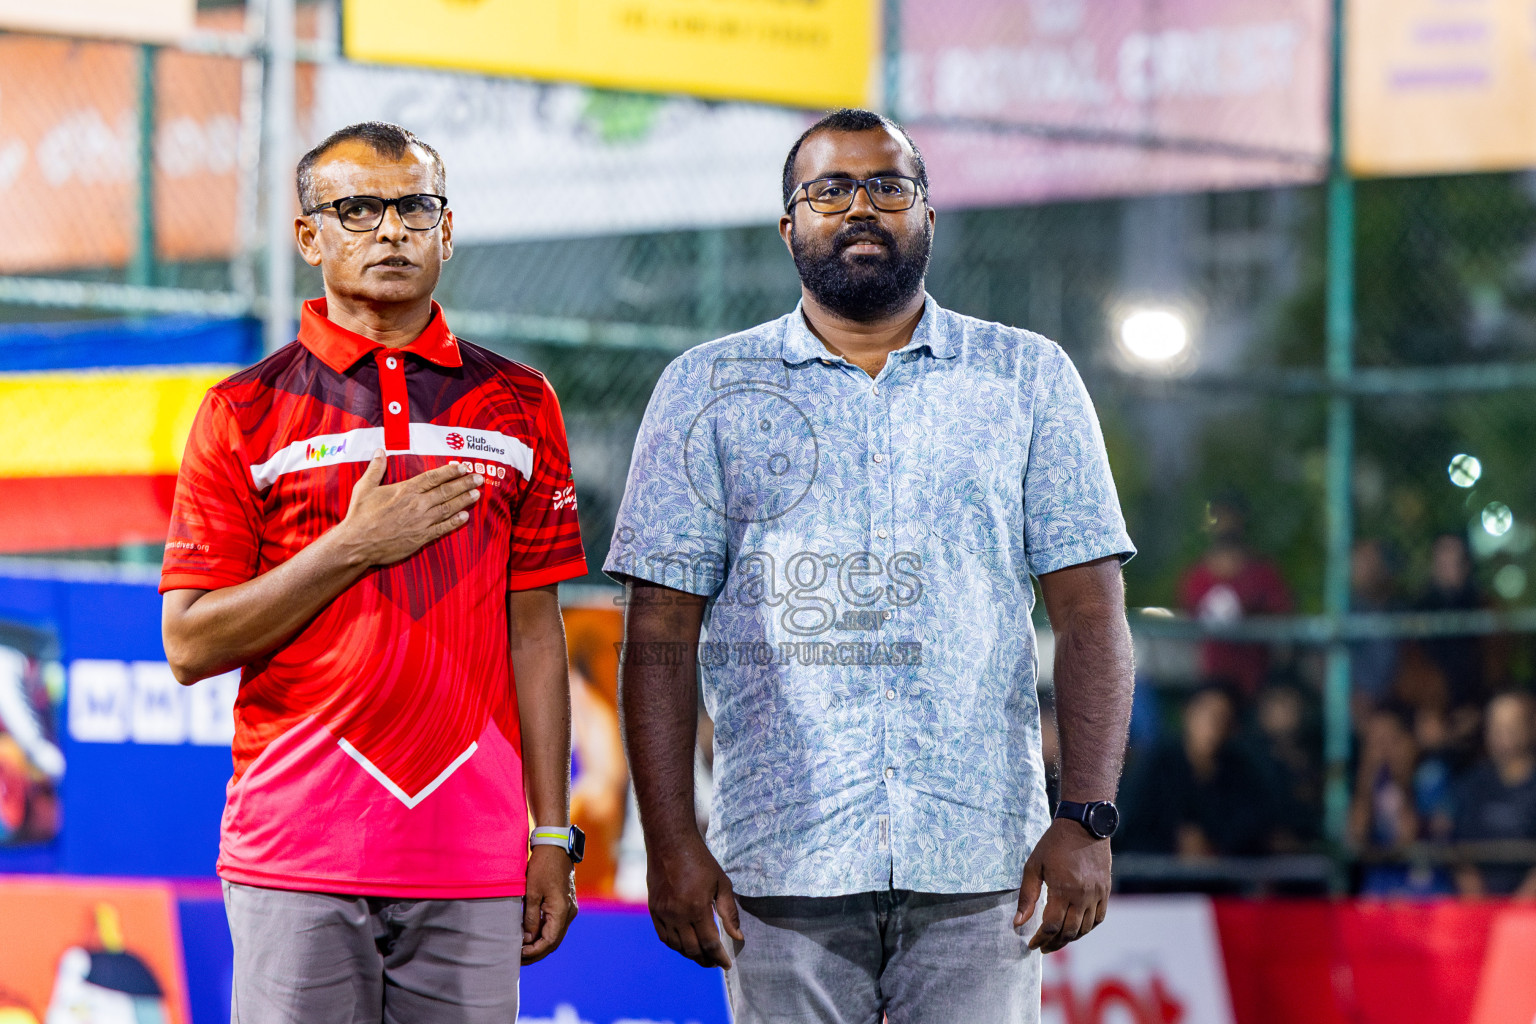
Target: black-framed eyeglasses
x=889 y=193
x=420 y=212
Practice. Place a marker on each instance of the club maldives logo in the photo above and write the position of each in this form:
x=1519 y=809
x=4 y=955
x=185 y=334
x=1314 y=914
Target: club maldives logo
x=454 y=441
x=321 y=452
x=482 y=444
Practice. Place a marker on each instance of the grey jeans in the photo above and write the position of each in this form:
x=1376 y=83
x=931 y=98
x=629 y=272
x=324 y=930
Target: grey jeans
x=309 y=957
x=915 y=958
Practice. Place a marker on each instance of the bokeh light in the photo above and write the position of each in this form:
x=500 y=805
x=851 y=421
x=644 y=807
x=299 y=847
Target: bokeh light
x=1464 y=470
x=1497 y=518
x=1509 y=582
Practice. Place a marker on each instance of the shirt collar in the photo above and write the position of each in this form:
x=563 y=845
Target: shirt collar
x=931 y=333
x=340 y=349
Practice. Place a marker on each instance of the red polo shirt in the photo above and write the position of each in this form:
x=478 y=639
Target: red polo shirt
x=377 y=752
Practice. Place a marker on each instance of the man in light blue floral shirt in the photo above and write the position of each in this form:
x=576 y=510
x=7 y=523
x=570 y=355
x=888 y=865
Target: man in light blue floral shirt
x=849 y=503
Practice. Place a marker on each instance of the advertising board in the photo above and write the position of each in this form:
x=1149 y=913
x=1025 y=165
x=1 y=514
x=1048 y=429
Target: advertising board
x=1047 y=99
x=1436 y=87
x=94 y=953
x=811 y=53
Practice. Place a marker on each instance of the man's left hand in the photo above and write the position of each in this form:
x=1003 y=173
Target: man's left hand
x=549 y=904
x=1074 y=867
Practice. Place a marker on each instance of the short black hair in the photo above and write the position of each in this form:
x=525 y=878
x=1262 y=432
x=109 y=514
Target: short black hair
x=850 y=119
x=387 y=140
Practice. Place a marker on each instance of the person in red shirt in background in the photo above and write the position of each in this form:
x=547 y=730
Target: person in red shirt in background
x=371 y=523
x=1232 y=582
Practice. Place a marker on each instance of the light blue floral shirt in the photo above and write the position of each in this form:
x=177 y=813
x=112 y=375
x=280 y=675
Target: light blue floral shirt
x=866 y=547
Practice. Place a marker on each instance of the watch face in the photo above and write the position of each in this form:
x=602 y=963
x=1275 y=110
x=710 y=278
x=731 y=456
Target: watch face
x=1103 y=819
x=578 y=845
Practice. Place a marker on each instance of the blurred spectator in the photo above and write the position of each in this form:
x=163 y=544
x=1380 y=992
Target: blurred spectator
x=1373 y=588
x=1231 y=582
x=1289 y=754
x=1458 y=659
x=1199 y=795
x=1383 y=815
x=1433 y=779
x=1497 y=799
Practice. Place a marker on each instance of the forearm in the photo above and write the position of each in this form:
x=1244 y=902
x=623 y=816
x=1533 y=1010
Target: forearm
x=1093 y=681
x=659 y=707
x=208 y=632
x=541 y=674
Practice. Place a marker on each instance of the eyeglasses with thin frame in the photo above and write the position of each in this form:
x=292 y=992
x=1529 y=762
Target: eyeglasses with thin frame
x=419 y=212
x=889 y=193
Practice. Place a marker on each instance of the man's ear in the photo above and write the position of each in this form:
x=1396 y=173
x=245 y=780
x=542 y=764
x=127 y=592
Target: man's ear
x=787 y=231
x=447 y=228
x=308 y=241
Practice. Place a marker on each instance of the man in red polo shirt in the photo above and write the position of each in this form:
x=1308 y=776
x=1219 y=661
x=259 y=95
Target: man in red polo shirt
x=371 y=523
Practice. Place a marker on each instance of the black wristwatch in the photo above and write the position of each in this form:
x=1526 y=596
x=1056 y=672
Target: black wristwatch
x=1101 y=817
x=569 y=838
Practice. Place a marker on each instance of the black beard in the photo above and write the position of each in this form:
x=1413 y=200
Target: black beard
x=864 y=288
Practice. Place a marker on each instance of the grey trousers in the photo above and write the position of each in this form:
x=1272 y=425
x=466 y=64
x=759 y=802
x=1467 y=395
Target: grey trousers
x=309 y=957
x=914 y=958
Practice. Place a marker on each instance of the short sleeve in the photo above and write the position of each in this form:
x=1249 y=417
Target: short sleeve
x=546 y=532
x=668 y=530
x=1071 y=511
x=214 y=539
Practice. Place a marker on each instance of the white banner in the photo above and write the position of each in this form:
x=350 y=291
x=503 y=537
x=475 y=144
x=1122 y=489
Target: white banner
x=1154 y=960
x=527 y=160
x=148 y=21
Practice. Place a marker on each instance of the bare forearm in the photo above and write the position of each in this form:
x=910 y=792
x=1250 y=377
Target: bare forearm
x=659 y=707
x=541 y=674
x=1093 y=676
x=208 y=632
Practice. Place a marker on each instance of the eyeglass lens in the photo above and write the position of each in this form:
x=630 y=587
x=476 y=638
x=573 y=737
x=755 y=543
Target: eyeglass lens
x=365 y=213
x=833 y=195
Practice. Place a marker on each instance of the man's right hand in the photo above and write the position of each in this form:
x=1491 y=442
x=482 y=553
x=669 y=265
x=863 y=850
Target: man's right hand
x=390 y=523
x=687 y=887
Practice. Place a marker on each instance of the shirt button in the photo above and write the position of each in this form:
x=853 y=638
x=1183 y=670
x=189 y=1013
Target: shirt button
x=880 y=534
x=885 y=614
x=394 y=408
x=890 y=773
x=879 y=457
x=876 y=389
x=890 y=694
x=391 y=362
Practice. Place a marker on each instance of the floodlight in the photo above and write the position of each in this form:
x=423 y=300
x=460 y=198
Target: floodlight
x=1154 y=337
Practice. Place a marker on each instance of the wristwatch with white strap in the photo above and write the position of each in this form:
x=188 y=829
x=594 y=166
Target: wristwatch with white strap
x=570 y=839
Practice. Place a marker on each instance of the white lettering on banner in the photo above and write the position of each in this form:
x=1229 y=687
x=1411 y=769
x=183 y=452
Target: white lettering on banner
x=211 y=710
x=118 y=702
x=99 y=694
x=1154 y=960
x=159 y=705
x=1219 y=62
